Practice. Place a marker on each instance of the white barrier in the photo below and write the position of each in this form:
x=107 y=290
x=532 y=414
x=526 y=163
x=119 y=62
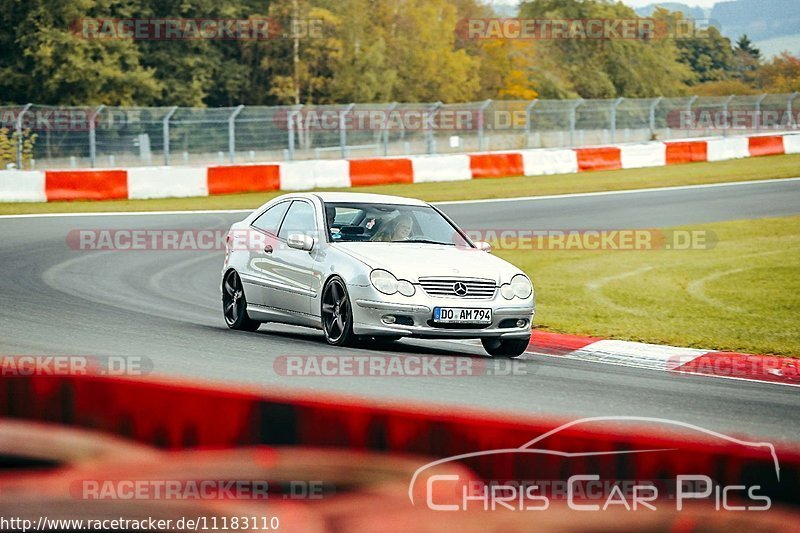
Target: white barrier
x=538 y=162
x=727 y=148
x=167 y=182
x=170 y=182
x=333 y=173
x=441 y=168
x=791 y=143
x=643 y=155
x=305 y=175
x=22 y=186
x=297 y=176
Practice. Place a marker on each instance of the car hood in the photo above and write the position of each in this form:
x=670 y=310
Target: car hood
x=412 y=260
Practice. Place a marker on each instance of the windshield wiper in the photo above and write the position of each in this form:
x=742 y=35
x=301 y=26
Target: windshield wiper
x=427 y=241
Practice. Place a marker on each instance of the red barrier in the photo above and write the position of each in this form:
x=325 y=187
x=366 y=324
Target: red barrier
x=771 y=368
x=558 y=343
x=135 y=409
x=183 y=416
x=686 y=152
x=603 y=158
x=86 y=185
x=243 y=178
x=365 y=172
x=496 y=165
x=768 y=145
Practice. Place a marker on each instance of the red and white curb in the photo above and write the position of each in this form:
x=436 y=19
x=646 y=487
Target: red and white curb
x=173 y=182
x=672 y=359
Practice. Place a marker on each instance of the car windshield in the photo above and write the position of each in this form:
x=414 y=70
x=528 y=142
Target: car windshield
x=366 y=222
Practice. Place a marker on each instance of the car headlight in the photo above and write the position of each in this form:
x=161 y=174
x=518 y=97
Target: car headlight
x=507 y=291
x=406 y=288
x=520 y=287
x=384 y=281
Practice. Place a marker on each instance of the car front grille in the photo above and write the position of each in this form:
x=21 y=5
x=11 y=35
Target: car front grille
x=476 y=288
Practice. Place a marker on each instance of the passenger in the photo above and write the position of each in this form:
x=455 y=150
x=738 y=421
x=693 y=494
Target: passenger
x=330 y=215
x=397 y=229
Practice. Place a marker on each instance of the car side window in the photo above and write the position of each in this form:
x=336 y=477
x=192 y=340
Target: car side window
x=299 y=219
x=270 y=219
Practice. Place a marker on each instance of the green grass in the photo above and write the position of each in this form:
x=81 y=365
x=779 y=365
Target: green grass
x=783 y=166
x=741 y=295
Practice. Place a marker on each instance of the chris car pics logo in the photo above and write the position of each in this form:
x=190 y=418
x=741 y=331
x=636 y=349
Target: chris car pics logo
x=448 y=487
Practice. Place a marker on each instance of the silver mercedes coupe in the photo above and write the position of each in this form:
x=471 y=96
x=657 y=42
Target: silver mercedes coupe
x=359 y=266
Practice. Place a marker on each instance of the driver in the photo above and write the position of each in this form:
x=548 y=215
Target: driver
x=330 y=215
x=397 y=229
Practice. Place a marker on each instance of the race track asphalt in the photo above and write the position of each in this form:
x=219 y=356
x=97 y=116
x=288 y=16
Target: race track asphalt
x=165 y=306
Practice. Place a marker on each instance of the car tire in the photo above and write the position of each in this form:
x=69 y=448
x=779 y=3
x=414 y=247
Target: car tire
x=497 y=347
x=336 y=314
x=234 y=304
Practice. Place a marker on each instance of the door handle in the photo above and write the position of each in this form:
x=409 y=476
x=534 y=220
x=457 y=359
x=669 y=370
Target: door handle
x=268 y=248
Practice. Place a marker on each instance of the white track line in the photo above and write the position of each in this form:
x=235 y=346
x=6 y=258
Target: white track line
x=453 y=202
x=676 y=371
x=131 y=213
x=625 y=191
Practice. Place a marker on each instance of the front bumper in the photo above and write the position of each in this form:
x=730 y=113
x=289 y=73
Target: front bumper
x=370 y=307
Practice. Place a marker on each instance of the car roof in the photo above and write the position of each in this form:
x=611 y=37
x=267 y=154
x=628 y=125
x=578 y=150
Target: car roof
x=366 y=198
x=336 y=197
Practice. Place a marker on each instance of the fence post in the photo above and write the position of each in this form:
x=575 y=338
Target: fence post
x=789 y=109
x=614 y=118
x=290 y=133
x=165 y=131
x=689 y=107
x=725 y=105
x=343 y=131
x=386 y=129
x=293 y=125
x=93 y=135
x=528 y=110
x=757 y=117
x=19 y=135
x=431 y=143
x=481 y=121
x=573 y=119
x=232 y=133
x=653 y=107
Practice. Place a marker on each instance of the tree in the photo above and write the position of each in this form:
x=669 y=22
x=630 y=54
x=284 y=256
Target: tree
x=518 y=72
x=201 y=72
x=303 y=69
x=709 y=55
x=420 y=38
x=603 y=68
x=377 y=51
x=9 y=141
x=369 y=51
x=363 y=72
x=745 y=45
x=506 y=68
x=724 y=88
x=748 y=59
x=781 y=75
x=48 y=61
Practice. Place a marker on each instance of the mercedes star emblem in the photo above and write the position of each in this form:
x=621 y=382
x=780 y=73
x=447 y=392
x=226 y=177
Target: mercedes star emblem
x=460 y=289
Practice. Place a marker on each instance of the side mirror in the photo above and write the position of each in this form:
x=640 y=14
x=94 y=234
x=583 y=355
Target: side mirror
x=483 y=246
x=298 y=241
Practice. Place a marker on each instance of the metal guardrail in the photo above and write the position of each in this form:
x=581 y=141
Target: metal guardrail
x=75 y=137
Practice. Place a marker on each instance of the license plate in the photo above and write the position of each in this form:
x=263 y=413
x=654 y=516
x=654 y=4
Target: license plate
x=462 y=315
